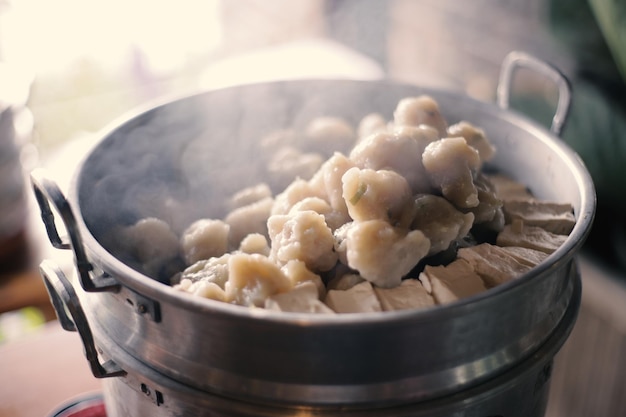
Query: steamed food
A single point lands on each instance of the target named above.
(409, 218)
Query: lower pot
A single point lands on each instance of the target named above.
(139, 390)
(519, 392)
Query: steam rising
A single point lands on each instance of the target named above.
(184, 160)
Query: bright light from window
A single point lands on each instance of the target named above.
(48, 36)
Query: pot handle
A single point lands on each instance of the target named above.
(64, 299)
(518, 59)
(47, 191)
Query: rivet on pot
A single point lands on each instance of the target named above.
(144, 306)
(156, 396)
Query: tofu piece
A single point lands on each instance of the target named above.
(532, 237)
(358, 299)
(554, 217)
(526, 256)
(452, 282)
(345, 282)
(508, 189)
(411, 294)
(494, 265)
(303, 298)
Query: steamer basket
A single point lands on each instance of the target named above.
(374, 359)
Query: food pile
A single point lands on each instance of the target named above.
(407, 219)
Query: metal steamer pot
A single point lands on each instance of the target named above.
(521, 391)
(181, 158)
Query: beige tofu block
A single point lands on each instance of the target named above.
(530, 257)
(532, 237)
(358, 299)
(411, 294)
(344, 282)
(554, 217)
(494, 265)
(509, 189)
(303, 298)
(452, 282)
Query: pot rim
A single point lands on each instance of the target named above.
(149, 287)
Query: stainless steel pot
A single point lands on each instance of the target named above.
(262, 356)
(521, 391)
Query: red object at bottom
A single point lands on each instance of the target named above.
(87, 407)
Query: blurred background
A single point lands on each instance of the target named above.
(68, 68)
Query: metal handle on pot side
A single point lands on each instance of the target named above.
(64, 299)
(518, 59)
(46, 192)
